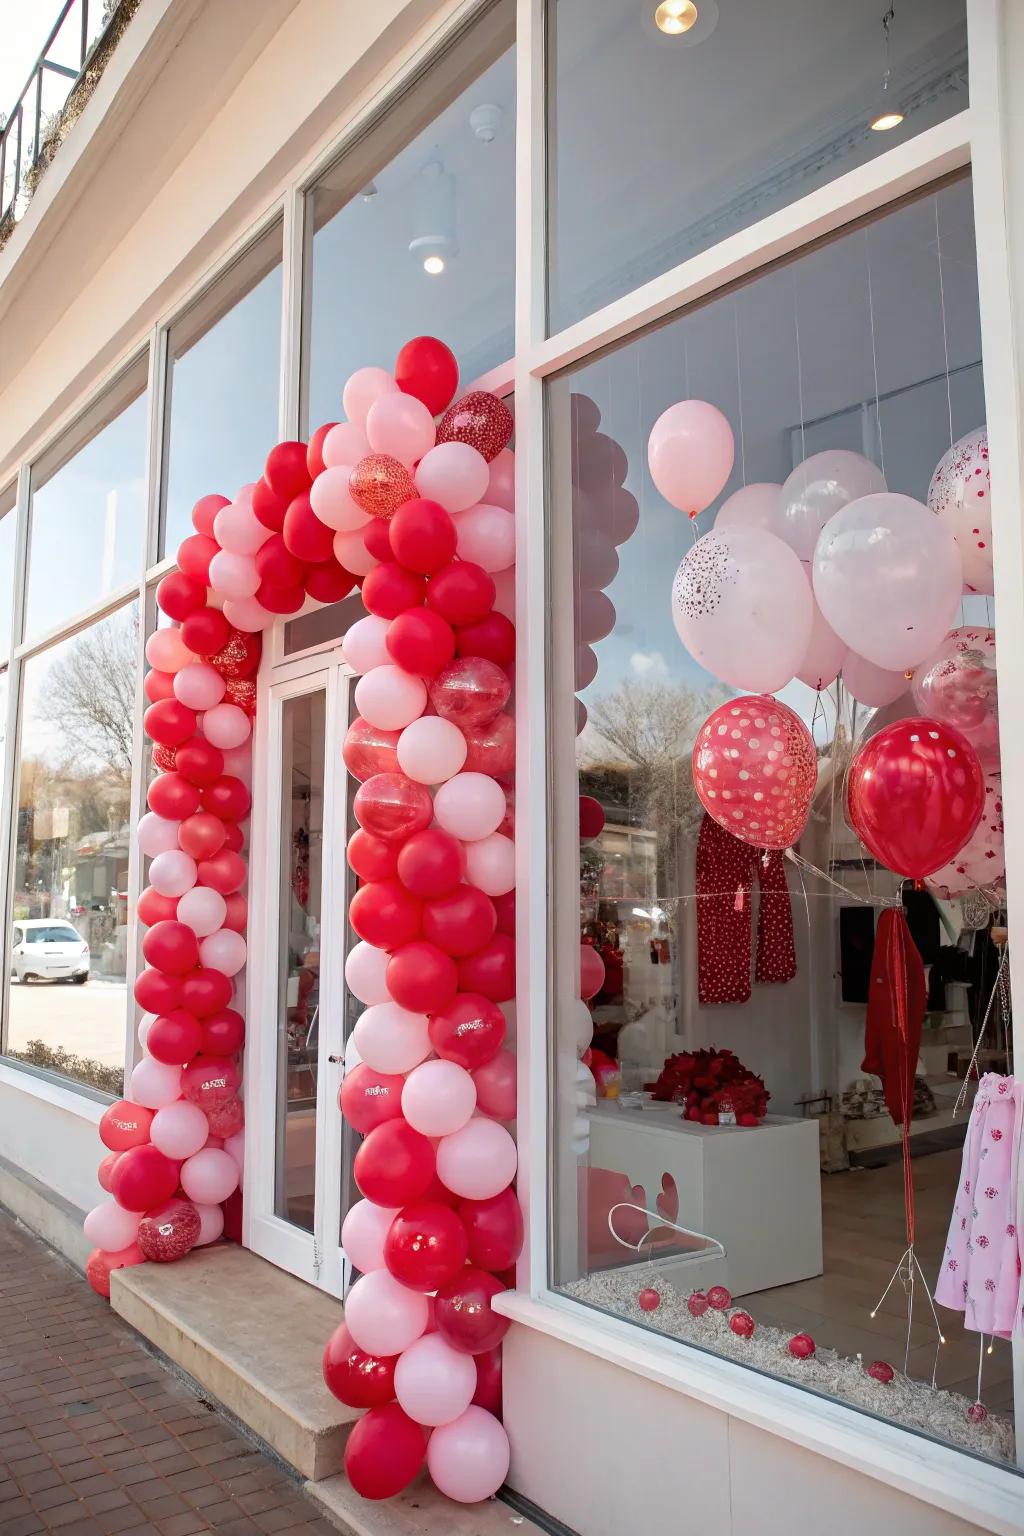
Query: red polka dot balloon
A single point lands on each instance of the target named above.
(754, 769)
(380, 484)
(170, 1232)
(479, 419)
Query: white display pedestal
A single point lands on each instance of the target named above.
(757, 1189)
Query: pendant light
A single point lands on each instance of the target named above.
(887, 113)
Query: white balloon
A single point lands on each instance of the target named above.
(872, 685)
(820, 487)
(758, 505)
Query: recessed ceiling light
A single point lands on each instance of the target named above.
(674, 17)
(434, 265)
(886, 120)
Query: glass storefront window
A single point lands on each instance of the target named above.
(67, 1003)
(661, 145)
(223, 386)
(723, 1129)
(8, 538)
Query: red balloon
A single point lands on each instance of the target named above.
(158, 685)
(201, 835)
(163, 758)
(178, 595)
(234, 839)
(375, 539)
(371, 858)
(394, 1165)
(194, 556)
(488, 1381)
(367, 750)
(204, 512)
(237, 915)
(226, 1119)
(494, 1228)
(328, 583)
(384, 1452)
(422, 536)
(469, 1031)
(210, 1081)
(755, 769)
(153, 907)
(239, 657)
(591, 818)
(385, 914)
(169, 1232)
(430, 863)
(171, 795)
(421, 977)
(491, 748)
(98, 1266)
(491, 969)
(227, 797)
(269, 508)
(156, 992)
(125, 1125)
(427, 369)
(305, 536)
(169, 722)
(380, 484)
(198, 762)
(469, 691)
(205, 992)
(392, 806)
(368, 1098)
(105, 1169)
(225, 871)
(463, 1311)
(144, 1177)
(276, 566)
(389, 589)
(505, 912)
(174, 1038)
(241, 691)
(419, 640)
(462, 592)
(479, 419)
(222, 1034)
(315, 450)
(425, 1246)
(354, 1377)
(286, 471)
(172, 947)
(460, 922)
(493, 638)
(915, 793)
(206, 632)
(280, 599)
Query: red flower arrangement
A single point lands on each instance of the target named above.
(705, 1083)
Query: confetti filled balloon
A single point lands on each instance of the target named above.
(479, 419)
(981, 862)
(957, 685)
(170, 1232)
(380, 484)
(959, 494)
(754, 769)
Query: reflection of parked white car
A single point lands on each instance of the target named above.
(45, 950)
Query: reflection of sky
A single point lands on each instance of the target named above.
(42, 736)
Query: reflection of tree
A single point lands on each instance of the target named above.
(90, 693)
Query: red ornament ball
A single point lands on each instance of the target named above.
(697, 1304)
(742, 1324)
(479, 419)
(977, 1413)
(170, 1232)
(801, 1346)
(649, 1300)
(881, 1370)
(427, 369)
(380, 484)
(719, 1298)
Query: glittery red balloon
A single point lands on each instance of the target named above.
(479, 419)
(367, 750)
(719, 1298)
(491, 748)
(380, 484)
(241, 691)
(697, 1304)
(392, 806)
(469, 691)
(164, 758)
(226, 1119)
(240, 657)
(169, 1232)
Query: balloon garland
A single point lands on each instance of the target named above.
(420, 514)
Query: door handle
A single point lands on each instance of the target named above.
(335, 1059)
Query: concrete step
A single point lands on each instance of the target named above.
(253, 1336)
(419, 1511)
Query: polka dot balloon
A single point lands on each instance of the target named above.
(981, 862)
(479, 419)
(959, 495)
(754, 769)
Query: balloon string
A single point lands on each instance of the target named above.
(973, 1063)
(945, 334)
(881, 902)
(739, 387)
(799, 371)
(874, 354)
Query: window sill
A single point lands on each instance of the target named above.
(41, 1086)
(963, 1485)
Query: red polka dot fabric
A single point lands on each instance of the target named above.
(726, 871)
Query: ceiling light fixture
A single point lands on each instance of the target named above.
(674, 17)
(887, 112)
(433, 238)
(434, 265)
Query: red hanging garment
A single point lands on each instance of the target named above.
(896, 1004)
(726, 870)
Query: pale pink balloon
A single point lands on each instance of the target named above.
(153, 1084)
(597, 560)
(179, 1130)
(391, 1039)
(211, 1224)
(872, 685)
(592, 970)
(477, 1162)
(238, 761)
(453, 474)
(959, 494)
(364, 646)
(586, 666)
(690, 452)
(172, 873)
(109, 1227)
(210, 1176)
(234, 576)
(470, 806)
(237, 529)
(389, 698)
(824, 655)
(365, 969)
(351, 552)
(981, 862)
(223, 951)
(468, 1459)
(383, 1316)
(501, 481)
(202, 909)
(431, 750)
(156, 834)
(817, 489)
(438, 1098)
(401, 426)
(167, 651)
(199, 685)
(505, 593)
(235, 1147)
(226, 725)
(487, 536)
(363, 1232)
(491, 864)
(247, 614)
(595, 616)
(753, 506)
(434, 1383)
(332, 503)
(145, 1025)
(364, 387)
(495, 1084)
(957, 685)
(344, 444)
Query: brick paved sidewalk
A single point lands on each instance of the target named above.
(97, 1436)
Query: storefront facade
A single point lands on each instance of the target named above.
(601, 218)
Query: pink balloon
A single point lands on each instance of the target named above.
(431, 750)
(364, 387)
(364, 644)
(350, 551)
(109, 1227)
(690, 452)
(468, 1459)
(156, 834)
(211, 1224)
(383, 1316)
(592, 971)
(223, 951)
(824, 655)
(153, 1084)
(595, 616)
(202, 909)
(754, 770)
(363, 1232)
(365, 969)
(167, 651)
(501, 481)
(753, 506)
(819, 488)
(389, 698)
(495, 1085)
(453, 474)
(179, 1130)
(199, 685)
(344, 444)
(247, 614)
(438, 1098)
(400, 425)
(957, 685)
(172, 873)
(391, 1039)
(238, 530)
(238, 762)
(209, 1176)
(959, 495)
(433, 1382)
(226, 726)
(234, 576)
(477, 1162)
(332, 502)
(505, 594)
(235, 1147)
(487, 536)
(491, 864)
(872, 685)
(470, 806)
